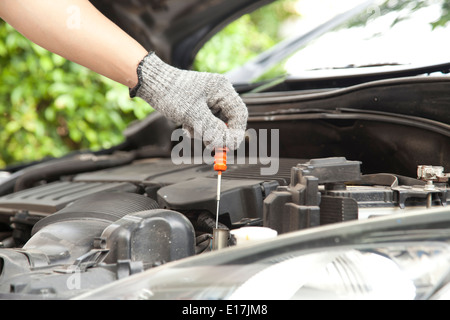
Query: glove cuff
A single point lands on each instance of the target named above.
(133, 91)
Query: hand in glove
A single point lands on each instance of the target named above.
(202, 102)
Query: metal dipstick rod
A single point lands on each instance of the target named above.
(219, 182)
(220, 236)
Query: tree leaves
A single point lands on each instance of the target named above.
(50, 106)
(244, 39)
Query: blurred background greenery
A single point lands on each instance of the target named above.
(50, 106)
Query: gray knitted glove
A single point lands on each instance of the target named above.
(202, 102)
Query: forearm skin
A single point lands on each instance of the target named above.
(77, 31)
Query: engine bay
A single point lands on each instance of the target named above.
(64, 237)
(77, 223)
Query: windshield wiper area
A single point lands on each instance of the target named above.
(256, 67)
(353, 66)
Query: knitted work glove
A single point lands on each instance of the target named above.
(202, 102)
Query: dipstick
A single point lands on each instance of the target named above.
(220, 165)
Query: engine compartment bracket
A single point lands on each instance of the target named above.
(89, 260)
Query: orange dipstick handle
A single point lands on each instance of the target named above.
(220, 159)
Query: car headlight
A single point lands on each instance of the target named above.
(397, 271)
(401, 263)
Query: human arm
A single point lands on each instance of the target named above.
(77, 31)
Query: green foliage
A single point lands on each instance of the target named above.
(406, 7)
(50, 106)
(445, 17)
(235, 44)
(245, 38)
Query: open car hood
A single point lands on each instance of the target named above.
(175, 29)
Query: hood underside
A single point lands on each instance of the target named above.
(175, 29)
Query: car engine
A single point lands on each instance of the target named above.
(80, 222)
(64, 236)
